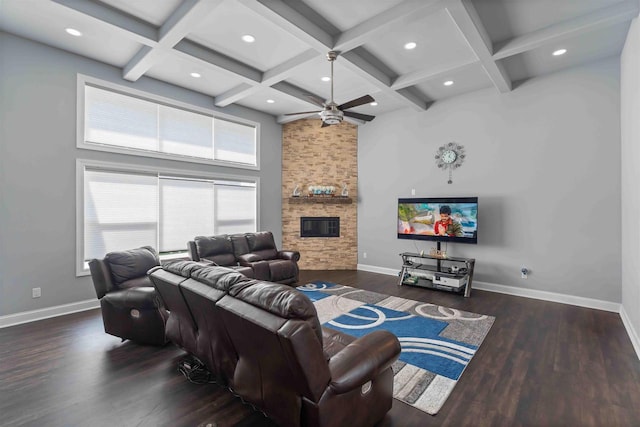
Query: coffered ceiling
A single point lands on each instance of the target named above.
(474, 44)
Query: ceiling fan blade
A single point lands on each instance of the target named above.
(316, 100)
(355, 102)
(324, 125)
(302, 112)
(365, 117)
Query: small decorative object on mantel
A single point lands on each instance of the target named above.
(296, 191)
(450, 156)
(322, 190)
(345, 192)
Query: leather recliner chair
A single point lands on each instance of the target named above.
(131, 308)
(264, 341)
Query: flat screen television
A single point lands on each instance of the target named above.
(439, 219)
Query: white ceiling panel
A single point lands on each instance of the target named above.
(152, 11)
(386, 103)
(46, 22)
(177, 70)
(439, 44)
(467, 79)
(580, 50)
(345, 15)
(505, 19)
(222, 31)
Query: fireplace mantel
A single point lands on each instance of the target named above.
(321, 199)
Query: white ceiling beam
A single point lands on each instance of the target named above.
(182, 21)
(212, 59)
(406, 11)
(270, 77)
(292, 21)
(132, 28)
(466, 18)
(419, 76)
(601, 18)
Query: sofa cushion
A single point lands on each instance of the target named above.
(181, 267)
(130, 264)
(281, 300)
(262, 244)
(221, 278)
(216, 248)
(240, 245)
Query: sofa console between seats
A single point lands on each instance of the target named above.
(253, 254)
(264, 341)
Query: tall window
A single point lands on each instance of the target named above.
(124, 209)
(121, 120)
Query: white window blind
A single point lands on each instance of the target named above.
(115, 119)
(234, 142)
(120, 211)
(186, 211)
(185, 133)
(117, 122)
(235, 208)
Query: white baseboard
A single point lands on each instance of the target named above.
(520, 292)
(46, 313)
(633, 334)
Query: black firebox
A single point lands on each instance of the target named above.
(314, 226)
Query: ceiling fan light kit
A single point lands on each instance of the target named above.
(332, 113)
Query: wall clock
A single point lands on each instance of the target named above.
(450, 156)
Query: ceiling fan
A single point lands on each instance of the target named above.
(332, 113)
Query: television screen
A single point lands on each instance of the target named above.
(444, 219)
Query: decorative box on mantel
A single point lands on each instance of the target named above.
(322, 199)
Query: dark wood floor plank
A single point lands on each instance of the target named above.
(542, 364)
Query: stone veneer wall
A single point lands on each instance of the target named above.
(312, 155)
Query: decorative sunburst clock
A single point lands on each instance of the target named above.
(450, 156)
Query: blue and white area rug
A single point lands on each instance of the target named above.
(437, 342)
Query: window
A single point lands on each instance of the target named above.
(122, 207)
(122, 120)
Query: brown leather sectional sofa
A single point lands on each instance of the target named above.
(253, 254)
(264, 341)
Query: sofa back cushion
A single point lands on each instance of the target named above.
(216, 248)
(262, 244)
(280, 300)
(240, 246)
(221, 278)
(131, 264)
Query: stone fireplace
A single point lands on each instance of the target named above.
(312, 155)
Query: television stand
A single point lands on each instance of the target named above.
(452, 274)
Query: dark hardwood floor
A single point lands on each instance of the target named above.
(542, 364)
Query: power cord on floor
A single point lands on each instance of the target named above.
(195, 371)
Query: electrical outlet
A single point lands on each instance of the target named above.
(364, 255)
(524, 272)
(36, 293)
(413, 191)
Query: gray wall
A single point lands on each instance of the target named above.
(630, 70)
(37, 169)
(544, 161)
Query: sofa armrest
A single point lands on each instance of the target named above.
(248, 259)
(101, 277)
(363, 360)
(290, 255)
(193, 250)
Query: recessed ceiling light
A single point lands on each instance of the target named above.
(373, 104)
(248, 38)
(196, 75)
(448, 83)
(559, 52)
(270, 101)
(326, 79)
(73, 32)
(410, 45)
